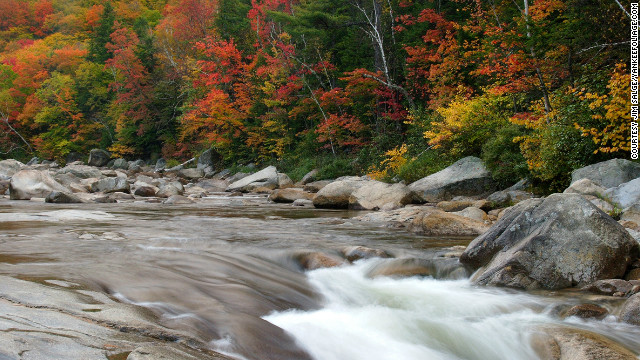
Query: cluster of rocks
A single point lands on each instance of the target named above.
(563, 240)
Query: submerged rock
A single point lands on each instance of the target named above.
(58, 197)
(27, 184)
(353, 253)
(574, 344)
(557, 242)
(438, 268)
(317, 260)
(466, 177)
(587, 311)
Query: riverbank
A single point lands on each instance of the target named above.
(124, 261)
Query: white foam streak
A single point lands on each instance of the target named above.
(413, 318)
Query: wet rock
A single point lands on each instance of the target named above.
(27, 184)
(146, 191)
(466, 177)
(439, 268)
(585, 187)
(191, 174)
(121, 164)
(609, 173)
(105, 199)
(303, 203)
(552, 243)
(81, 171)
(266, 175)
(336, 195)
(317, 260)
(110, 184)
(574, 344)
(9, 167)
(507, 198)
(435, 222)
(121, 196)
(178, 200)
(353, 253)
(630, 312)
(290, 195)
(587, 311)
(161, 164)
(316, 186)
(309, 177)
(453, 206)
(625, 194)
(374, 195)
(99, 157)
(611, 287)
(58, 197)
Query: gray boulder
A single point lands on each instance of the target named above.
(336, 195)
(146, 191)
(268, 174)
(609, 173)
(375, 195)
(507, 198)
(99, 157)
(34, 161)
(121, 164)
(466, 177)
(191, 173)
(625, 194)
(553, 243)
(58, 197)
(27, 184)
(161, 164)
(170, 189)
(81, 171)
(284, 181)
(209, 158)
(111, 184)
(9, 167)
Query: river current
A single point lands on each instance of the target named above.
(225, 271)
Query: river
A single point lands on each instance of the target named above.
(225, 272)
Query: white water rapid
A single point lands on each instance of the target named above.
(417, 318)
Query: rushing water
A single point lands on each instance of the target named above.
(225, 271)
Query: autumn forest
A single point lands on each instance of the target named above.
(392, 88)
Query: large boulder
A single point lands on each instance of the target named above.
(27, 184)
(9, 167)
(336, 195)
(111, 184)
(625, 194)
(99, 157)
(609, 173)
(208, 159)
(507, 198)
(585, 187)
(374, 195)
(290, 195)
(309, 177)
(161, 164)
(120, 164)
(191, 173)
(81, 171)
(266, 175)
(562, 343)
(466, 177)
(553, 243)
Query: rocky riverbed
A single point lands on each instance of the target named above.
(128, 261)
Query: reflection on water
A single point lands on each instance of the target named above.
(225, 271)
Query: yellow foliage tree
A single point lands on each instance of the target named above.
(613, 110)
(394, 161)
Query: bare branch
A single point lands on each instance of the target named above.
(623, 9)
(5, 118)
(602, 46)
(402, 90)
